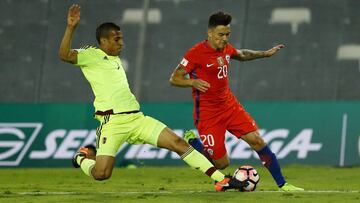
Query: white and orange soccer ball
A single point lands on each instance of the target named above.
(247, 173)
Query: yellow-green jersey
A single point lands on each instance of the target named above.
(107, 79)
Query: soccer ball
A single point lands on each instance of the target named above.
(247, 173)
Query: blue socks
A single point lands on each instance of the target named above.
(266, 156)
(270, 161)
(197, 144)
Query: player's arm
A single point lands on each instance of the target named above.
(178, 78)
(246, 54)
(65, 52)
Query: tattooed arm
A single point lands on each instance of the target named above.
(246, 54)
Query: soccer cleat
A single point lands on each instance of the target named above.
(287, 187)
(188, 135)
(89, 151)
(229, 183)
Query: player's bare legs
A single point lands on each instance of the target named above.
(254, 140)
(222, 163)
(104, 165)
(99, 167)
(169, 140)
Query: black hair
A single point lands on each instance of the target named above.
(219, 18)
(103, 30)
(91, 147)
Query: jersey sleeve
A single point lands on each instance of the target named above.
(85, 56)
(188, 62)
(232, 51)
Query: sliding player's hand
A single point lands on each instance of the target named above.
(200, 85)
(73, 17)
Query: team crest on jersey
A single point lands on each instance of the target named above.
(227, 57)
(210, 151)
(220, 61)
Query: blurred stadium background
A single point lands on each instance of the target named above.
(306, 99)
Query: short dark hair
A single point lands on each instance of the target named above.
(103, 30)
(219, 18)
(91, 147)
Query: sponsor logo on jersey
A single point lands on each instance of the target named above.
(209, 65)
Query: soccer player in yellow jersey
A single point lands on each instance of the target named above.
(118, 111)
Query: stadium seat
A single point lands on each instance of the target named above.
(293, 16)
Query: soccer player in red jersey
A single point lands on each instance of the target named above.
(216, 109)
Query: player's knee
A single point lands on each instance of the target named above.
(222, 163)
(256, 141)
(259, 142)
(101, 175)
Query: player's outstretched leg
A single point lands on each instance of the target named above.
(190, 137)
(269, 160)
(169, 140)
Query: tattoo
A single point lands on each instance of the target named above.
(246, 54)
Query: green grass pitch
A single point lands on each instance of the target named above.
(174, 184)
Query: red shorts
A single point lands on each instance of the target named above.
(212, 131)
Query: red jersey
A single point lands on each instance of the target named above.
(204, 62)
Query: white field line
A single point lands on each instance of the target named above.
(176, 192)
